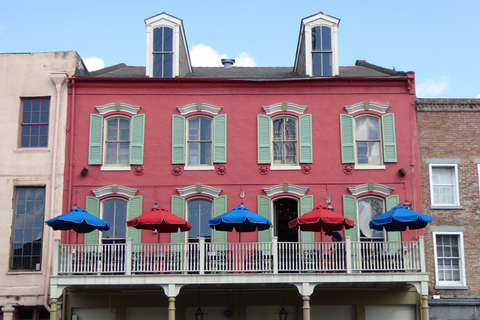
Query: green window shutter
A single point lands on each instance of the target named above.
(391, 202)
(306, 205)
(178, 139)
(350, 211)
(264, 141)
(95, 140)
(347, 138)
(92, 205)
(178, 209)
(220, 139)
(264, 210)
(134, 210)
(219, 208)
(137, 139)
(389, 140)
(305, 137)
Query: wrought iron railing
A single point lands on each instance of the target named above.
(269, 257)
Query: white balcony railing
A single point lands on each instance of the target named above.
(272, 257)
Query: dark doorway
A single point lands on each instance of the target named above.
(285, 210)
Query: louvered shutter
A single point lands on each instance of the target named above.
(137, 139)
(178, 139)
(92, 206)
(134, 210)
(95, 140)
(305, 137)
(264, 141)
(389, 140)
(391, 202)
(347, 138)
(220, 139)
(306, 205)
(350, 211)
(264, 210)
(219, 208)
(178, 209)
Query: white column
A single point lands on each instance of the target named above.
(8, 313)
(306, 307)
(171, 308)
(53, 309)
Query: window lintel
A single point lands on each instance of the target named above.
(117, 107)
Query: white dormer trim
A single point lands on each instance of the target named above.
(284, 106)
(370, 187)
(116, 107)
(165, 20)
(367, 106)
(307, 24)
(199, 107)
(285, 188)
(199, 189)
(114, 189)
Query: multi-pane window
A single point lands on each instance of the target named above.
(284, 140)
(163, 52)
(444, 187)
(449, 258)
(114, 211)
(368, 209)
(322, 51)
(117, 141)
(199, 141)
(199, 212)
(28, 229)
(367, 140)
(34, 123)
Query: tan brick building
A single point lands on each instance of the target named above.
(449, 143)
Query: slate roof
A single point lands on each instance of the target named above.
(362, 69)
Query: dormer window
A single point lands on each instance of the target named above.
(321, 51)
(163, 52)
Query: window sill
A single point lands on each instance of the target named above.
(369, 167)
(115, 168)
(274, 167)
(192, 168)
(453, 287)
(452, 207)
(22, 272)
(28, 150)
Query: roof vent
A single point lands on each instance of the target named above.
(228, 63)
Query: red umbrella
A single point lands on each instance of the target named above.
(319, 219)
(161, 220)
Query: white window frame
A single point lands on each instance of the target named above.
(187, 216)
(284, 166)
(450, 284)
(102, 202)
(189, 166)
(114, 167)
(367, 166)
(456, 193)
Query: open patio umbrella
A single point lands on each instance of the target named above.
(161, 220)
(399, 218)
(320, 219)
(241, 219)
(78, 220)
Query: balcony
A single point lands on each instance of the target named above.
(323, 263)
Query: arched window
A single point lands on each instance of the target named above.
(114, 211)
(199, 212)
(367, 140)
(117, 141)
(285, 140)
(368, 209)
(199, 141)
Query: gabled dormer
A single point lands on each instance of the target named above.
(317, 50)
(167, 50)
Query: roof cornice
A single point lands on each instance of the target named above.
(448, 105)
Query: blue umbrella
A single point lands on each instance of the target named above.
(399, 218)
(78, 220)
(241, 219)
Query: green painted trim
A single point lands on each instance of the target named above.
(264, 205)
(220, 139)
(92, 206)
(134, 210)
(264, 142)
(178, 139)
(95, 140)
(137, 139)
(178, 209)
(220, 207)
(347, 138)
(305, 139)
(389, 140)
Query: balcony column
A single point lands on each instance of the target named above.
(8, 313)
(306, 307)
(171, 308)
(53, 309)
(425, 308)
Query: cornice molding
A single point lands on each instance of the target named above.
(199, 107)
(284, 107)
(114, 189)
(448, 105)
(116, 107)
(285, 188)
(370, 187)
(199, 189)
(366, 106)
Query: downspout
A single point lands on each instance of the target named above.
(59, 79)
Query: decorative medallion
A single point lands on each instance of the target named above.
(177, 170)
(221, 169)
(306, 168)
(348, 168)
(138, 170)
(263, 169)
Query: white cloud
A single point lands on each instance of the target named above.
(430, 88)
(93, 63)
(478, 97)
(205, 56)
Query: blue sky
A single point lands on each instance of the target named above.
(438, 40)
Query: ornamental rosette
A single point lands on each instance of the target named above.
(306, 168)
(221, 169)
(138, 170)
(263, 169)
(348, 168)
(177, 170)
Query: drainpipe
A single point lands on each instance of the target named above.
(59, 79)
